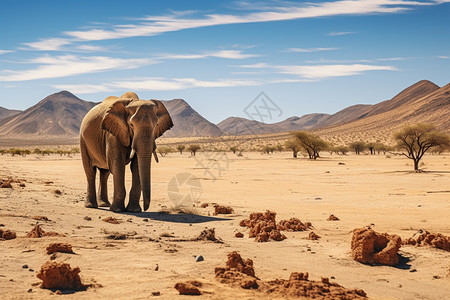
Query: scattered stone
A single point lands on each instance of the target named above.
(57, 192)
(313, 236)
(30, 291)
(239, 235)
(5, 184)
(88, 218)
(25, 267)
(204, 205)
(111, 220)
(332, 218)
(156, 293)
(425, 238)
(60, 276)
(370, 247)
(199, 258)
(157, 267)
(41, 218)
(7, 234)
(38, 232)
(263, 227)
(145, 220)
(341, 164)
(189, 287)
(225, 210)
(59, 247)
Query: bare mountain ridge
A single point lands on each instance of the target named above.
(5, 113)
(241, 126)
(60, 115)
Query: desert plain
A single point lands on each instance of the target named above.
(157, 248)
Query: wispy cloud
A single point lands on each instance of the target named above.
(155, 25)
(320, 72)
(229, 54)
(309, 50)
(68, 65)
(156, 84)
(5, 51)
(338, 33)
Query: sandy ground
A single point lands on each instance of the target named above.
(363, 190)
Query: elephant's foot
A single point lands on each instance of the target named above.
(91, 203)
(103, 203)
(117, 207)
(134, 207)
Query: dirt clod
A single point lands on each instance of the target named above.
(204, 205)
(239, 235)
(59, 247)
(208, 234)
(7, 234)
(189, 287)
(425, 238)
(332, 218)
(263, 227)
(111, 220)
(313, 236)
(38, 232)
(60, 276)
(293, 224)
(370, 247)
(225, 210)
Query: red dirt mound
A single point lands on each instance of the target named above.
(263, 227)
(313, 236)
(38, 232)
(370, 247)
(239, 235)
(189, 287)
(111, 220)
(298, 285)
(209, 234)
(426, 238)
(225, 210)
(7, 234)
(237, 271)
(59, 247)
(332, 218)
(6, 183)
(60, 276)
(293, 224)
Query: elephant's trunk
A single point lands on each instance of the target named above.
(144, 155)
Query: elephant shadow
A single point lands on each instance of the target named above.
(175, 218)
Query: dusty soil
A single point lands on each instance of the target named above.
(149, 252)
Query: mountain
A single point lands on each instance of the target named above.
(59, 114)
(388, 116)
(304, 122)
(5, 113)
(187, 122)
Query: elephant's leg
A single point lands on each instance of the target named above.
(118, 203)
(135, 192)
(103, 189)
(91, 199)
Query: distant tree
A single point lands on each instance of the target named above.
(311, 143)
(193, 149)
(268, 149)
(180, 148)
(279, 147)
(294, 146)
(2, 151)
(234, 149)
(164, 150)
(380, 147)
(415, 140)
(371, 146)
(341, 150)
(358, 147)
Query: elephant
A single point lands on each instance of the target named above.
(117, 131)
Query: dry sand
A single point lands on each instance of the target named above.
(155, 250)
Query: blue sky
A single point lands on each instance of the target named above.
(307, 56)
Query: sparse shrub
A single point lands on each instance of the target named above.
(164, 150)
(268, 149)
(358, 147)
(294, 146)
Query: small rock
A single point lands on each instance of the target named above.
(145, 220)
(88, 218)
(58, 292)
(157, 267)
(413, 270)
(199, 258)
(436, 277)
(25, 267)
(332, 277)
(31, 270)
(156, 294)
(30, 290)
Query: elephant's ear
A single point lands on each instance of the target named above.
(115, 122)
(164, 119)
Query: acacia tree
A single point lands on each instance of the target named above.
(193, 149)
(358, 146)
(310, 142)
(181, 148)
(415, 140)
(293, 145)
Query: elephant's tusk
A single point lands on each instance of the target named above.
(156, 156)
(132, 153)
